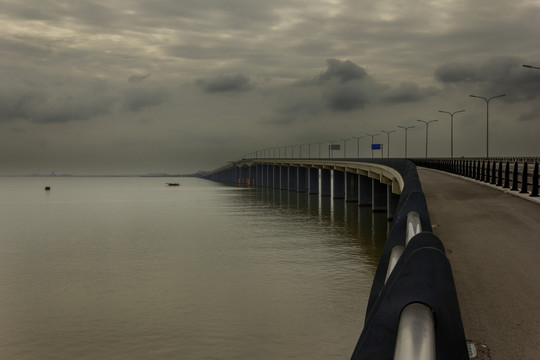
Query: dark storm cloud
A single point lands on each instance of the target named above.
(500, 75)
(456, 73)
(225, 83)
(346, 86)
(409, 92)
(138, 78)
(56, 104)
(139, 98)
(343, 71)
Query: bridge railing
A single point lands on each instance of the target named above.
(412, 311)
(516, 174)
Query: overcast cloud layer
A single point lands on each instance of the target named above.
(127, 87)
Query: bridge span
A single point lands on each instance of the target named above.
(491, 241)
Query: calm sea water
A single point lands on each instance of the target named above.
(128, 268)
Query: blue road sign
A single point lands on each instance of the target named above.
(375, 146)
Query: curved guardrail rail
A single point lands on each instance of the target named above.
(412, 311)
(417, 294)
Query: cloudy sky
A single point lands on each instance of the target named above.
(138, 86)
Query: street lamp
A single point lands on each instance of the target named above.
(320, 143)
(372, 136)
(487, 117)
(427, 126)
(406, 128)
(451, 129)
(357, 145)
(345, 148)
(388, 133)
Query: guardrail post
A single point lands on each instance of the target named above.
(487, 172)
(524, 179)
(493, 174)
(483, 173)
(515, 177)
(499, 177)
(534, 191)
(507, 175)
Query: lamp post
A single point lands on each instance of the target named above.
(451, 129)
(427, 127)
(487, 117)
(357, 145)
(320, 143)
(406, 128)
(388, 134)
(344, 148)
(372, 136)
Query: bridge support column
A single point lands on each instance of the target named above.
(265, 175)
(378, 196)
(391, 202)
(259, 175)
(351, 187)
(313, 181)
(252, 175)
(364, 191)
(339, 184)
(302, 179)
(284, 177)
(326, 182)
(293, 178)
(277, 176)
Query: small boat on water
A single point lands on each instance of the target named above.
(173, 184)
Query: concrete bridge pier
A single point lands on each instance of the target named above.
(391, 202)
(284, 177)
(259, 172)
(251, 170)
(301, 179)
(351, 187)
(364, 191)
(378, 196)
(293, 178)
(339, 184)
(313, 181)
(276, 176)
(326, 185)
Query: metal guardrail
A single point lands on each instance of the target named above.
(416, 334)
(416, 330)
(412, 311)
(517, 174)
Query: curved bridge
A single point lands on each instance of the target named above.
(412, 312)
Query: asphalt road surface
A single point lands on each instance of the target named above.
(493, 243)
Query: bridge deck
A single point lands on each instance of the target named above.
(493, 243)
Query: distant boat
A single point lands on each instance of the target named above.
(47, 188)
(173, 184)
